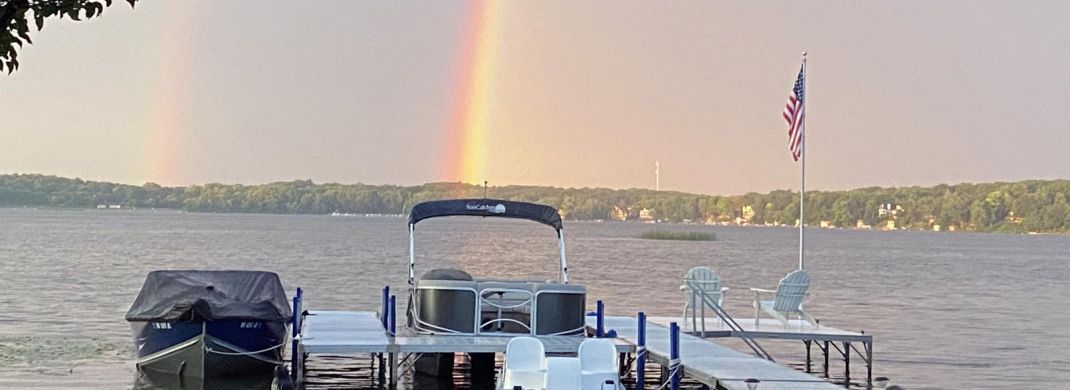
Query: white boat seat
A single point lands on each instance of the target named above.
(525, 364)
(598, 364)
(563, 373)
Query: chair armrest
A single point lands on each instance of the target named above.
(723, 289)
(762, 290)
(683, 287)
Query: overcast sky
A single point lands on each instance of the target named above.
(585, 94)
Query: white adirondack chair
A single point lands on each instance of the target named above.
(787, 299)
(598, 365)
(525, 364)
(708, 281)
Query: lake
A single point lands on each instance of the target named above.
(947, 310)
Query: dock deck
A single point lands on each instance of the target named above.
(347, 332)
(768, 328)
(710, 363)
(359, 333)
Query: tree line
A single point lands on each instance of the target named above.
(1023, 206)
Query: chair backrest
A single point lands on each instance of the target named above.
(598, 363)
(598, 355)
(705, 278)
(563, 373)
(525, 353)
(791, 291)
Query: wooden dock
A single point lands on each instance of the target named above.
(710, 363)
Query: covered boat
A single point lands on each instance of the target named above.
(209, 323)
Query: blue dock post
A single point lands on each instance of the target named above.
(393, 314)
(386, 308)
(295, 324)
(674, 356)
(600, 313)
(640, 352)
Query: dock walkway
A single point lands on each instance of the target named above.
(827, 339)
(713, 364)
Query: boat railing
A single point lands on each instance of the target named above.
(698, 319)
(497, 309)
(518, 301)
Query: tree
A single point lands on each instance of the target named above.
(15, 18)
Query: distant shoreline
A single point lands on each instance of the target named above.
(402, 216)
(1024, 207)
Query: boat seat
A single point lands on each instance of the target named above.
(598, 364)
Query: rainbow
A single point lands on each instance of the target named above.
(167, 129)
(473, 95)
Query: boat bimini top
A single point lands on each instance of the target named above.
(487, 208)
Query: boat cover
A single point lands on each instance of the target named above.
(486, 208)
(209, 296)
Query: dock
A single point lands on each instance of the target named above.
(709, 363)
(826, 338)
(349, 333)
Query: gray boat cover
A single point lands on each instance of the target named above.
(210, 296)
(486, 208)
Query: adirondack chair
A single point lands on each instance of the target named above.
(708, 281)
(787, 299)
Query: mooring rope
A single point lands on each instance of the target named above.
(674, 369)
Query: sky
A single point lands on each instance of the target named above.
(561, 93)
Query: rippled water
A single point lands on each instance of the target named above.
(947, 310)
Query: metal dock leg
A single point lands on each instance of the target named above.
(393, 371)
(869, 364)
(807, 342)
(826, 351)
(846, 364)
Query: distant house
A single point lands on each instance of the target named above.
(827, 224)
(748, 213)
(860, 224)
(620, 213)
(647, 215)
(889, 210)
(937, 227)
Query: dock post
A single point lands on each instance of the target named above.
(846, 364)
(393, 315)
(386, 308)
(295, 324)
(600, 320)
(640, 352)
(674, 356)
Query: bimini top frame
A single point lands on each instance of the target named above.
(487, 208)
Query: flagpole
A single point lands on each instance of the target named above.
(802, 167)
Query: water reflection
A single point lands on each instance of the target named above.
(154, 381)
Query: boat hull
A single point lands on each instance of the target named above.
(208, 349)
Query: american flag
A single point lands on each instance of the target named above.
(795, 114)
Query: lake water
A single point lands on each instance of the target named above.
(948, 310)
